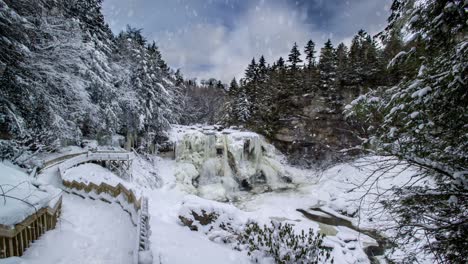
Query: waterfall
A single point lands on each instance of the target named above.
(217, 164)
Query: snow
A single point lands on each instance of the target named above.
(21, 195)
(176, 244)
(333, 191)
(422, 92)
(330, 193)
(170, 202)
(88, 232)
(93, 173)
(414, 114)
(212, 162)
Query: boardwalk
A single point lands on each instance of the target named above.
(88, 232)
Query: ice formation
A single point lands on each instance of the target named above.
(217, 163)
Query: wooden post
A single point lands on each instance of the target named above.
(28, 235)
(41, 225)
(36, 229)
(17, 248)
(3, 248)
(45, 222)
(10, 243)
(36, 235)
(22, 241)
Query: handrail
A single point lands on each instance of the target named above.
(106, 192)
(14, 240)
(104, 188)
(63, 158)
(95, 156)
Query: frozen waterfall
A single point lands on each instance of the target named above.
(219, 163)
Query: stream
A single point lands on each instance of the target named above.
(371, 251)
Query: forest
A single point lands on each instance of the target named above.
(401, 94)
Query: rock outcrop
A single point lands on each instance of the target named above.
(318, 133)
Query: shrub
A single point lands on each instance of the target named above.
(280, 242)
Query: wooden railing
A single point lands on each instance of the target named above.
(103, 192)
(144, 231)
(67, 157)
(97, 156)
(139, 212)
(14, 240)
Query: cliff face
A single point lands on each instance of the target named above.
(318, 133)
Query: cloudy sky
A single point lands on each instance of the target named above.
(218, 38)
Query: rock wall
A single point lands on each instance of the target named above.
(318, 133)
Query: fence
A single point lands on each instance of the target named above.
(123, 196)
(125, 158)
(15, 240)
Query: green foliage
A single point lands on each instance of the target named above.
(280, 242)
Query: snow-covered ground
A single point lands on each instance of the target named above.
(88, 232)
(167, 203)
(337, 191)
(329, 191)
(170, 241)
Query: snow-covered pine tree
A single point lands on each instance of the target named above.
(327, 67)
(342, 63)
(422, 121)
(65, 77)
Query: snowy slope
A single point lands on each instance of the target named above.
(332, 190)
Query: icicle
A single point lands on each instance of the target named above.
(225, 160)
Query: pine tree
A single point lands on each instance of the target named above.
(233, 88)
(280, 64)
(342, 63)
(262, 70)
(179, 78)
(393, 45)
(422, 122)
(219, 85)
(294, 57)
(327, 67)
(356, 61)
(310, 54)
(251, 72)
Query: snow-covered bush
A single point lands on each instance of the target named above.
(280, 242)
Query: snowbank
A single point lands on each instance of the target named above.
(21, 196)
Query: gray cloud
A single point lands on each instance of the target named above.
(194, 36)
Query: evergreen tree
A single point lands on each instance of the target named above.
(179, 78)
(342, 63)
(280, 64)
(392, 46)
(356, 61)
(251, 72)
(327, 67)
(422, 121)
(310, 54)
(294, 57)
(262, 69)
(233, 88)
